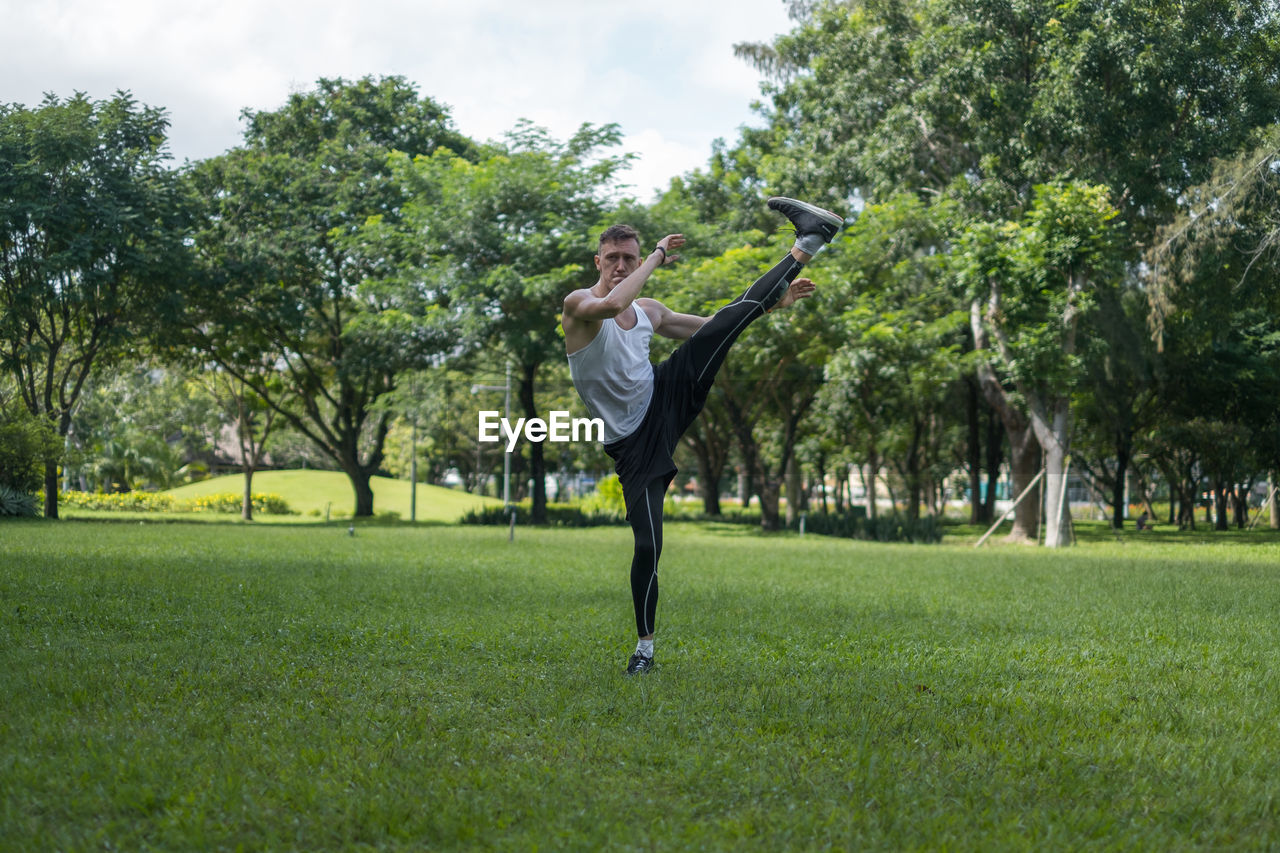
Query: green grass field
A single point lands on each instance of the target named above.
(310, 493)
(188, 686)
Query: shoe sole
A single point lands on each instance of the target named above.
(830, 217)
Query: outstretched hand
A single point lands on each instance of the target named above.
(801, 288)
(669, 242)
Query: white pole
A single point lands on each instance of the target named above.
(506, 458)
(1062, 498)
(413, 459)
(1265, 504)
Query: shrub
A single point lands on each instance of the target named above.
(606, 499)
(558, 515)
(157, 502)
(231, 503)
(27, 442)
(17, 503)
(886, 528)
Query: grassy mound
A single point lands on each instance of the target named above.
(310, 492)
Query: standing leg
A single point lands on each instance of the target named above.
(646, 526)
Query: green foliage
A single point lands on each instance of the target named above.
(312, 271)
(1038, 278)
(17, 504)
(267, 504)
(27, 443)
(510, 236)
(894, 527)
(138, 424)
(988, 98)
(558, 515)
(92, 251)
(607, 498)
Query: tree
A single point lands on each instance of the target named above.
(91, 246)
(509, 237)
(253, 419)
(1120, 393)
(892, 377)
(310, 262)
(1214, 303)
(981, 101)
(1030, 285)
(770, 381)
(138, 425)
(27, 443)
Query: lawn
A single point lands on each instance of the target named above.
(313, 493)
(189, 686)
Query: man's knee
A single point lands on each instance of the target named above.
(648, 548)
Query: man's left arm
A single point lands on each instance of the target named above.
(672, 324)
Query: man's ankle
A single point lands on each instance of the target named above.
(801, 256)
(810, 244)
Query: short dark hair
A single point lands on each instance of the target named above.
(618, 234)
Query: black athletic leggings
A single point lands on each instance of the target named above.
(681, 384)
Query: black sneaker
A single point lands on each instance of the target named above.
(639, 664)
(808, 218)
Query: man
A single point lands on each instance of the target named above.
(646, 408)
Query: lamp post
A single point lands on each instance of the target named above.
(413, 460)
(506, 454)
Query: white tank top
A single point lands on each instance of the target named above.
(614, 376)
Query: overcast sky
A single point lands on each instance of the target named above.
(664, 71)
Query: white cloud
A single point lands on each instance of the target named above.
(664, 72)
(658, 159)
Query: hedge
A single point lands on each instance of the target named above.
(265, 504)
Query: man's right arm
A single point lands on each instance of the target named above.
(584, 305)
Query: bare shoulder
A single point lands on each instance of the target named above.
(655, 310)
(578, 330)
(574, 300)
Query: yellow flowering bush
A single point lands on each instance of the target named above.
(266, 504)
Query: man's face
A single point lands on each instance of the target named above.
(616, 261)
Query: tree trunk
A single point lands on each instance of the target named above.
(1118, 491)
(795, 491)
(974, 450)
(364, 492)
(995, 460)
(710, 439)
(770, 491)
(821, 475)
(1024, 464)
(51, 490)
(871, 474)
(1057, 516)
(1275, 500)
(709, 485)
(1024, 453)
(913, 478)
(246, 505)
(1220, 505)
